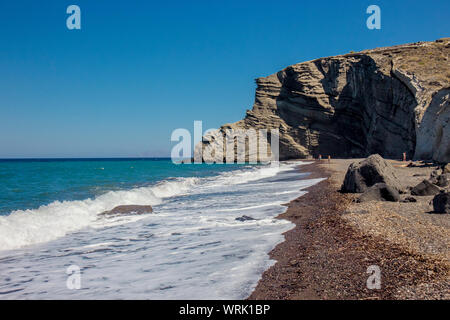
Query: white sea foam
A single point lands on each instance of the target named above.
(49, 222)
(248, 175)
(252, 207)
(193, 247)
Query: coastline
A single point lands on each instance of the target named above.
(326, 257)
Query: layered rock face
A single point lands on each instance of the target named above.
(386, 101)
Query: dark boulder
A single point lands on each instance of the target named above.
(425, 188)
(362, 175)
(441, 203)
(128, 209)
(443, 180)
(380, 192)
(434, 176)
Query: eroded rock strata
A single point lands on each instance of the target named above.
(386, 101)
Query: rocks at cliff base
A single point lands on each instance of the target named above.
(443, 180)
(425, 188)
(441, 203)
(433, 176)
(380, 192)
(440, 177)
(128, 210)
(446, 168)
(361, 176)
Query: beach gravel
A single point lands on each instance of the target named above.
(337, 240)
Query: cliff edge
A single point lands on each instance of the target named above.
(386, 101)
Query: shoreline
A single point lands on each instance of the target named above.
(326, 257)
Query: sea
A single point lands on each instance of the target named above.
(208, 237)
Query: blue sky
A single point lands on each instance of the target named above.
(137, 70)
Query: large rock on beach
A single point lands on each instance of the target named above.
(443, 180)
(441, 203)
(128, 209)
(380, 192)
(434, 175)
(362, 175)
(425, 188)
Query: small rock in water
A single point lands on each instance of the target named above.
(244, 218)
(128, 209)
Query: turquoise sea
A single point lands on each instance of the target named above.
(194, 245)
(30, 183)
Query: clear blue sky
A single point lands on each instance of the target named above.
(137, 70)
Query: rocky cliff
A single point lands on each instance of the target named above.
(386, 101)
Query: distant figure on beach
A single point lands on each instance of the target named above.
(329, 159)
(404, 156)
(320, 157)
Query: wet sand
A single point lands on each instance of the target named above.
(327, 254)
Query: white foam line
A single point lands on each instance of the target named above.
(252, 207)
(49, 222)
